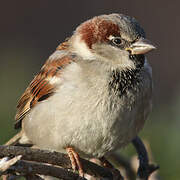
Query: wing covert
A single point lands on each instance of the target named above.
(42, 86)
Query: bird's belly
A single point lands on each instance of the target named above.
(122, 125)
(93, 124)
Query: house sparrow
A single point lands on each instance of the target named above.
(93, 95)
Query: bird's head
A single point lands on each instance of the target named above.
(114, 38)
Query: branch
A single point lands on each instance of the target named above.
(5, 163)
(145, 169)
(54, 158)
(33, 168)
(124, 163)
(58, 159)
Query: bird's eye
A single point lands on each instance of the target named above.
(117, 41)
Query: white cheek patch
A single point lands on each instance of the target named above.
(82, 49)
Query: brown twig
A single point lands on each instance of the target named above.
(33, 168)
(8, 163)
(124, 164)
(58, 159)
(54, 158)
(33, 177)
(145, 169)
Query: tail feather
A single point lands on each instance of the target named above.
(14, 140)
(19, 140)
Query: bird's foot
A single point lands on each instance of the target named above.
(75, 161)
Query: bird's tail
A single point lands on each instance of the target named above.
(14, 140)
(19, 140)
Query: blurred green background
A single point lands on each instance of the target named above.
(31, 30)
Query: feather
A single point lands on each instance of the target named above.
(42, 86)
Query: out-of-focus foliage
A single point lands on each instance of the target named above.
(31, 30)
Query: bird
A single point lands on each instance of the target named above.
(93, 94)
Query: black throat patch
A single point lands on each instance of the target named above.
(123, 81)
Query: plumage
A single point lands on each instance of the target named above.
(94, 92)
(42, 86)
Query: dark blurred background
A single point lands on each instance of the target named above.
(31, 30)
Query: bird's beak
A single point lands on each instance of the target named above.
(142, 46)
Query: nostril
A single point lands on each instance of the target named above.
(129, 50)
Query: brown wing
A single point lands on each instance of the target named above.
(41, 87)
